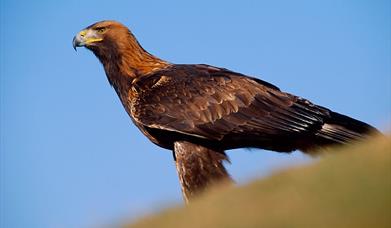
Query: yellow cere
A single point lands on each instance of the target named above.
(83, 33)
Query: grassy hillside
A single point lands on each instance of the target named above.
(348, 187)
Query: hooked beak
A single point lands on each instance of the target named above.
(85, 38)
(76, 42)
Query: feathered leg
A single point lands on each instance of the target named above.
(198, 167)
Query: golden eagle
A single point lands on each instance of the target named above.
(199, 111)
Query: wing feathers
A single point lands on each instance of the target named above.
(215, 104)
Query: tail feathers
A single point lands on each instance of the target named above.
(341, 129)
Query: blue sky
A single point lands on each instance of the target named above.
(70, 156)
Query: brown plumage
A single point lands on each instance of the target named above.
(199, 111)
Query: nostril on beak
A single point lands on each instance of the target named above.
(83, 33)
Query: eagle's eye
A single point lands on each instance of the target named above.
(101, 30)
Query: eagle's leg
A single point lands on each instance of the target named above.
(198, 167)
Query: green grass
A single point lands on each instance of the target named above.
(347, 187)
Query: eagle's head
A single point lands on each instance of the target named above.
(117, 49)
(102, 35)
